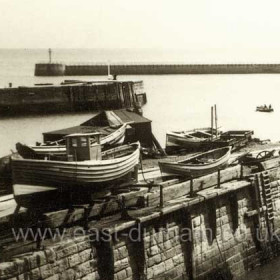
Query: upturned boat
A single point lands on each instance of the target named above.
(110, 136)
(198, 165)
(85, 169)
(111, 128)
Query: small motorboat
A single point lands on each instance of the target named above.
(199, 164)
(84, 169)
(266, 109)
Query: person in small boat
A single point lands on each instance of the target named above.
(265, 107)
(269, 107)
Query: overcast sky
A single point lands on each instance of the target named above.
(139, 24)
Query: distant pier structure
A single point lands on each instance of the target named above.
(50, 68)
(55, 69)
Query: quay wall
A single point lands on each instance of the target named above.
(71, 97)
(175, 245)
(154, 69)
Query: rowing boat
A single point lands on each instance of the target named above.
(265, 109)
(191, 139)
(199, 164)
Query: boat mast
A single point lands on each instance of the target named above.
(211, 123)
(216, 121)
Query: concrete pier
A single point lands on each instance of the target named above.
(153, 69)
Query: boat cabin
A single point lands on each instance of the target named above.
(79, 146)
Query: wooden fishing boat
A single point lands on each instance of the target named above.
(198, 165)
(264, 109)
(195, 139)
(110, 136)
(192, 139)
(85, 168)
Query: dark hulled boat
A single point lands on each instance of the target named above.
(264, 109)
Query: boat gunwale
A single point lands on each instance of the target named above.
(199, 166)
(103, 162)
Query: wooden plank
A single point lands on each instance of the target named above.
(271, 163)
(274, 174)
(158, 146)
(172, 189)
(170, 182)
(179, 203)
(181, 189)
(254, 212)
(66, 216)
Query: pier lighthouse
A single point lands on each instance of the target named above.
(49, 69)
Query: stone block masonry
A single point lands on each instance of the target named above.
(70, 259)
(215, 236)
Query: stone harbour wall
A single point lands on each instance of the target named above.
(164, 252)
(231, 246)
(71, 259)
(216, 237)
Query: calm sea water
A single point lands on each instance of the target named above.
(174, 101)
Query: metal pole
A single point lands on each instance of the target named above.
(191, 188)
(219, 179)
(161, 196)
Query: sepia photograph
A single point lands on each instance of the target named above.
(140, 140)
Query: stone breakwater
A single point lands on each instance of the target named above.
(219, 230)
(68, 97)
(46, 69)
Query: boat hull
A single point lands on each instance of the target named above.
(65, 175)
(264, 109)
(195, 170)
(37, 196)
(178, 139)
(50, 198)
